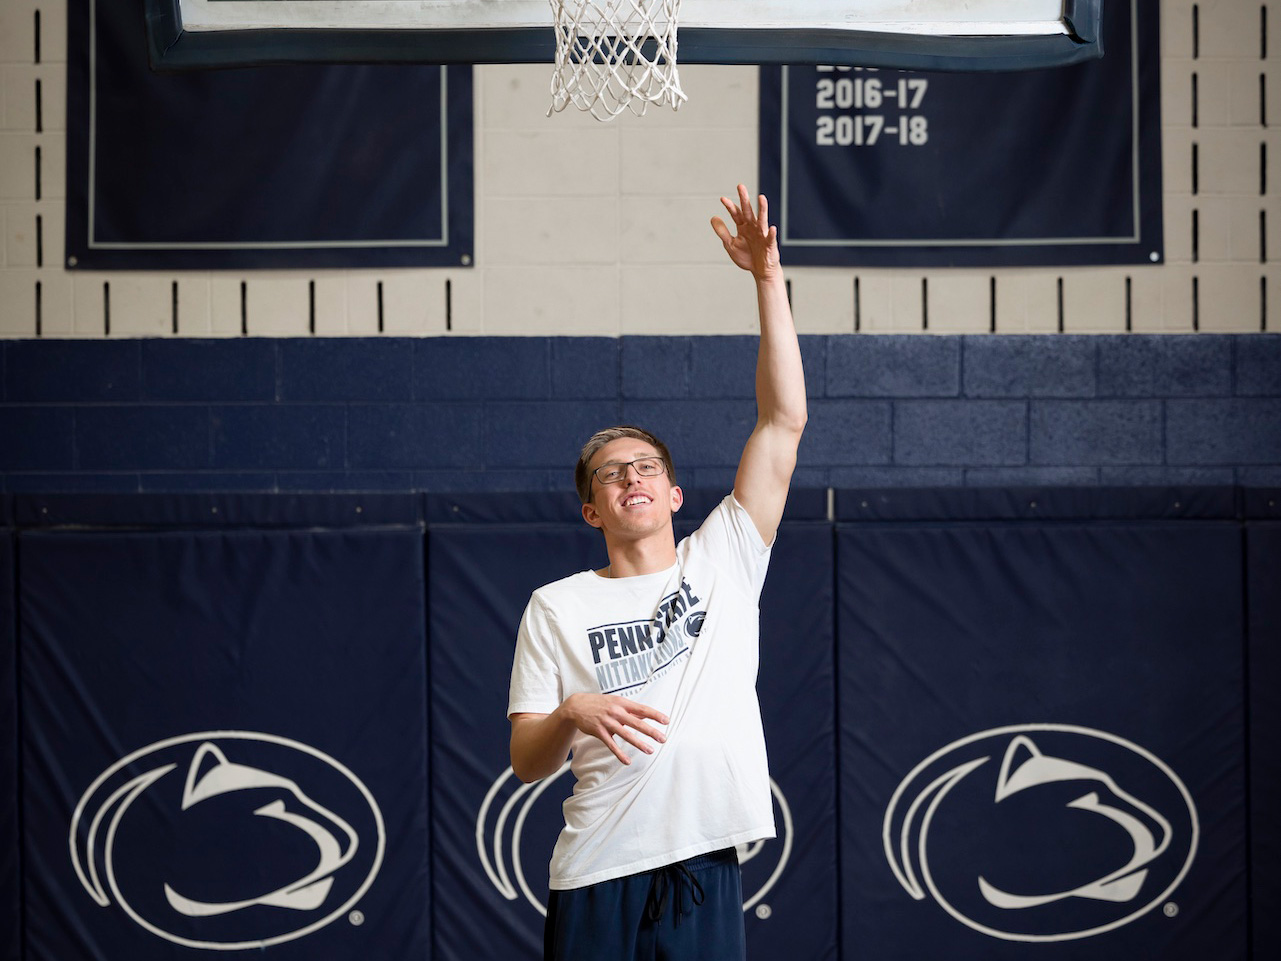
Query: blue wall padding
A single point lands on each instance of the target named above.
(798, 916)
(479, 578)
(1038, 504)
(10, 881)
(1016, 684)
(311, 641)
(218, 511)
(1263, 561)
(1126, 629)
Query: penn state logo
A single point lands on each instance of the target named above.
(228, 839)
(513, 829)
(1042, 832)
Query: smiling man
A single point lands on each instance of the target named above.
(645, 671)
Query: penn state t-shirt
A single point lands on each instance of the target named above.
(685, 641)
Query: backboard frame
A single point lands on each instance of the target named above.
(171, 47)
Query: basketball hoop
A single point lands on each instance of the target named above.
(615, 55)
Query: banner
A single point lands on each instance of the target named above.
(265, 167)
(493, 836)
(224, 744)
(1042, 740)
(925, 169)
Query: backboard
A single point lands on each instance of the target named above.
(912, 34)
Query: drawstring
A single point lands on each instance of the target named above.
(671, 876)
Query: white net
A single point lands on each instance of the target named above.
(615, 55)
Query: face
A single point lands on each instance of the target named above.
(635, 506)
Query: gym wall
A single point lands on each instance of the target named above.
(576, 221)
(204, 684)
(1147, 614)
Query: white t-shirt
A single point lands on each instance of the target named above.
(684, 640)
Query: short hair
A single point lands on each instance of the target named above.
(583, 476)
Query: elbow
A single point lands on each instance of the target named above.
(783, 421)
(793, 422)
(528, 773)
(521, 771)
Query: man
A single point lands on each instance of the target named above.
(646, 671)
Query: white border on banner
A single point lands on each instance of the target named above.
(784, 229)
(95, 244)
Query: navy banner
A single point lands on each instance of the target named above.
(290, 166)
(1042, 740)
(224, 744)
(910, 168)
(493, 836)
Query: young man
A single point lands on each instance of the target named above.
(646, 671)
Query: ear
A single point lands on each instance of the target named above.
(678, 498)
(590, 515)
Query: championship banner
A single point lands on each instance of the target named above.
(224, 744)
(265, 167)
(493, 836)
(1042, 740)
(891, 168)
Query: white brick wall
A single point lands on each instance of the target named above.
(621, 245)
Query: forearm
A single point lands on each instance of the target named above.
(540, 745)
(780, 378)
(541, 742)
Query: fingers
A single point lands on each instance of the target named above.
(606, 736)
(635, 721)
(626, 720)
(608, 740)
(742, 213)
(644, 710)
(735, 214)
(722, 231)
(635, 741)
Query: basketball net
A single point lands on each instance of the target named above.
(615, 55)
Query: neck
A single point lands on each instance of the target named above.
(645, 556)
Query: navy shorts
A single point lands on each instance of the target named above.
(689, 910)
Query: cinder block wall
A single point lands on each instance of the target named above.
(508, 413)
(596, 275)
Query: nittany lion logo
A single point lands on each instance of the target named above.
(1041, 832)
(227, 839)
(508, 817)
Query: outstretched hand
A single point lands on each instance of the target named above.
(754, 246)
(605, 716)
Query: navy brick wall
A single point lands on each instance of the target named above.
(508, 413)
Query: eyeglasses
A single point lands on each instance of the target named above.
(645, 467)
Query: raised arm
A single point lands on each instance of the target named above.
(769, 458)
